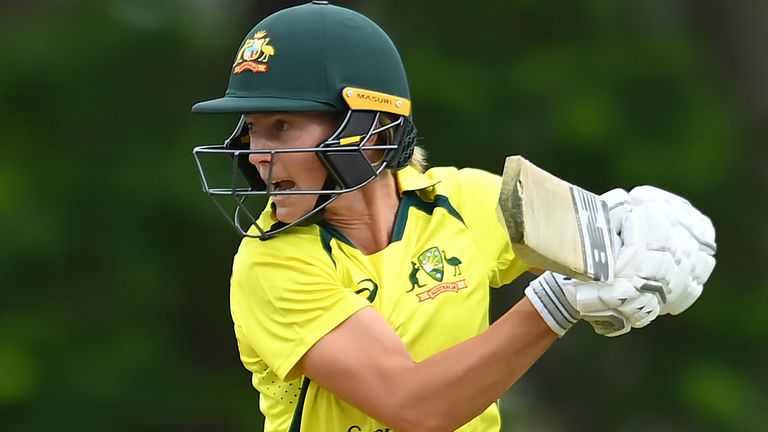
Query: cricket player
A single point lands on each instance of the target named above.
(360, 293)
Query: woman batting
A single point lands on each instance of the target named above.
(349, 305)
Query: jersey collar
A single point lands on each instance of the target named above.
(410, 179)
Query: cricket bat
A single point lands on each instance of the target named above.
(554, 225)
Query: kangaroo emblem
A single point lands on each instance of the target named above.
(412, 277)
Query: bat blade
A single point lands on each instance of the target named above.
(554, 225)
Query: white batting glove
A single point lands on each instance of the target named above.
(630, 300)
(669, 225)
(554, 295)
(665, 245)
(612, 309)
(665, 255)
(647, 271)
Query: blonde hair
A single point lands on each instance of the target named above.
(419, 159)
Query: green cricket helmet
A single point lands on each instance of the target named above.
(310, 58)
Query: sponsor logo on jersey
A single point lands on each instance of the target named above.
(254, 54)
(433, 261)
(368, 289)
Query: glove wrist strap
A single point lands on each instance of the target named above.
(548, 297)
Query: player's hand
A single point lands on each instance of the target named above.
(665, 246)
(669, 225)
(665, 254)
(611, 308)
(631, 299)
(662, 242)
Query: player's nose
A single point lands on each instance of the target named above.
(258, 159)
(263, 157)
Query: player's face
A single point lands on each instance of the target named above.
(290, 171)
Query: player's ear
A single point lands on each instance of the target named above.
(374, 139)
(387, 136)
(376, 156)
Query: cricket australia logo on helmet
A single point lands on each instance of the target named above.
(324, 58)
(254, 54)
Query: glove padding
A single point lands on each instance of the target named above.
(612, 309)
(633, 298)
(670, 226)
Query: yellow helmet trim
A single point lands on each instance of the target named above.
(349, 140)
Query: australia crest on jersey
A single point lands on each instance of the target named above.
(254, 54)
(434, 262)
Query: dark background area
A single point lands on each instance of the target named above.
(114, 266)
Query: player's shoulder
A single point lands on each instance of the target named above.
(290, 251)
(472, 192)
(464, 183)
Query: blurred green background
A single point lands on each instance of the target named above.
(114, 266)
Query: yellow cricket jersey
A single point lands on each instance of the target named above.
(430, 283)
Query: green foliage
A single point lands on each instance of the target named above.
(114, 267)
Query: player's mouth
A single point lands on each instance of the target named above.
(283, 186)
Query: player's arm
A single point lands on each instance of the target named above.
(364, 362)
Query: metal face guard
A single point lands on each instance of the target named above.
(241, 194)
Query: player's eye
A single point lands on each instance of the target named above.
(281, 125)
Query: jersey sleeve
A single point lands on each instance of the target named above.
(485, 220)
(283, 300)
